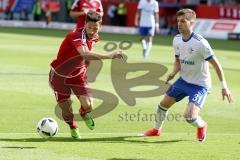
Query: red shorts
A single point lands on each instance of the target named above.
(63, 87)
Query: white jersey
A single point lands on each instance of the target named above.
(194, 54)
(148, 9)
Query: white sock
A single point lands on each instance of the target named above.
(196, 122)
(160, 116)
(149, 46)
(144, 45)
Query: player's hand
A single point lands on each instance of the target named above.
(118, 55)
(227, 93)
(170, 77)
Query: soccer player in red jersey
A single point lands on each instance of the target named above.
(80, 8)
(68, 70)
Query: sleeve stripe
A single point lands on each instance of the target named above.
(209, 58)
(75, 4)
(77, 39)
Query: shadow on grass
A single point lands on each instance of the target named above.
(18, 147)
(126, 159)
(120, 139)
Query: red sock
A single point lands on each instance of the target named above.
(83, 111)
(72, 124)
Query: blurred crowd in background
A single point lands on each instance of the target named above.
(116, 12)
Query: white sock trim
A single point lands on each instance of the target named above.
(196, 122)
(160, 116)
(144, 44)
(149, 46)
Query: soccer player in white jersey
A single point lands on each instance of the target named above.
(193, 55)
(147, 19)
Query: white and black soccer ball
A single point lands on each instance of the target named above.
(47, 127)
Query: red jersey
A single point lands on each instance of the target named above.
(69, 62)
(86, 5)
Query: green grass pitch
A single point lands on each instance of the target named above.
(26, 97)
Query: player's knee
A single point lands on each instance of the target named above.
(164, 104)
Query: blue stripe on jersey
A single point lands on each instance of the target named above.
(178, 35)
(195, 36)
(209, 58)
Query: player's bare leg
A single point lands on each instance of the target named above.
(160, 116)
(144, 45)
(191, 115)
(149, 40)
(86, 107)
(67, 114)
(66, 107)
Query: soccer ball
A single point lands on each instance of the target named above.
(47, 127)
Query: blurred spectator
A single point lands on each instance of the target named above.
(193, 2)
(48, 13)
(51, 10)
(8, 12)
(231, 2)
(172, 25)
(3, 5)
(24, 13)
(122, 13)
(111, 13)
(214, 2)
(37, 11)
(68, 5)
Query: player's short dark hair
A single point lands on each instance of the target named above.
(93, 17)
(190, 14)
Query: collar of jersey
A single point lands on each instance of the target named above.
(188, 38)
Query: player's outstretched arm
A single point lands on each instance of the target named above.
(175, 70)
(76, 13)
(218, 68)
(90, 55)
